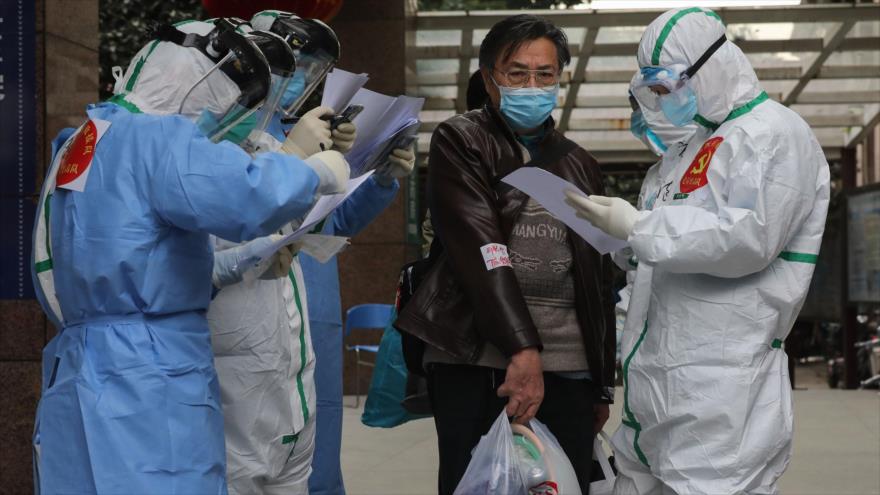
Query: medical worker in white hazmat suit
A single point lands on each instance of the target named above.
(258, 317)
(259, 323)
(724, 259)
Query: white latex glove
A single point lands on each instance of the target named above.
(332, 169)
(279, 264)
(344, 136)
(230, 265)
(310, 135)
(401, 163)
(615, 216)
(261, 142)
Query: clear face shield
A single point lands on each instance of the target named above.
(311, 69)
(282, 66)
(317, 50)
(224, 110)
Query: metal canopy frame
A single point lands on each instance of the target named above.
(853, 127)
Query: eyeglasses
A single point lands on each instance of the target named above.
(518, 78)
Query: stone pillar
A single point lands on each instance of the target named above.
(67, 80)
(373, 37)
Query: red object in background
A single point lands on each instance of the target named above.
(245, 9)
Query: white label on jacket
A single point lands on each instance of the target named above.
(495, 256)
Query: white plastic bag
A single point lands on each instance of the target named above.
(493, 469)
(495, 463)
(606, 486)
(563, 471)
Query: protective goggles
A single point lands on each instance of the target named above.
(317, 50)
(673, 77)
(236, 56)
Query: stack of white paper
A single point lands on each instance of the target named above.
(384, 121)
(322, 209)
(549, 190)
(339, 87)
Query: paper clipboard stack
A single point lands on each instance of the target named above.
(385, 123)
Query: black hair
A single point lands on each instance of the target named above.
(507, 35)
(476, 91)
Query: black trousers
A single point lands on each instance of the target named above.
(465, 403)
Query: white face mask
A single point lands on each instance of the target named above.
(664, 131)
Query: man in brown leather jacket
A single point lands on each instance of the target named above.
(517, 311)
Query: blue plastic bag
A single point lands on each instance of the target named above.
(388, 385)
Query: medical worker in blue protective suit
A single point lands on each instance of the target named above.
(123, 264)
(724, 252)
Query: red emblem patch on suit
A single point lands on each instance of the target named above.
(78, 156)
(696, 175)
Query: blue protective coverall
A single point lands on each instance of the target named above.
(325, 318)
(131, 402)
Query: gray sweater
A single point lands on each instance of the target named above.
(541, 257)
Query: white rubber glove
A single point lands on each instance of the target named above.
(344, 136)
(310, 135)
(279, 264)
(401, 163)
(230, 265)
(332, 169)
(614, 216)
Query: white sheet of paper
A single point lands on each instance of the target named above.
(382, 118)
(323, 207)
(340, 86)
(549, 190)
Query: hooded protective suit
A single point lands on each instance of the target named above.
(130, 400)
(263, 347)
(723, 254)
(265, 363)
(665, 137)
(262, 333)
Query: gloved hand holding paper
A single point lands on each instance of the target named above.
(323, 208)
(549, 190)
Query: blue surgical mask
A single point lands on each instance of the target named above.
(637, 124)
(639, 127)
(527, 108)
(295, 88)
(679, 106)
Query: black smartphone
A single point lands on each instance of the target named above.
(346, 116)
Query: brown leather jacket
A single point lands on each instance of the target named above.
(460, 304)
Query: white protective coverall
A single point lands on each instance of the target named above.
(265, 365)
(725, 250)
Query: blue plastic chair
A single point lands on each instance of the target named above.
(365, 316)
